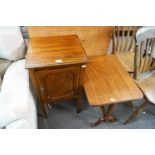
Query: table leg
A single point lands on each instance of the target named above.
(43, 108)
(106, 116)
(103, 110)
(131, 105)
(78, 104)
(101, 119)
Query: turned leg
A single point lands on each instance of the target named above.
(136, 112)
(43, 108)
(103, 110)
(40, 97)
(43, 112)
(106, 116)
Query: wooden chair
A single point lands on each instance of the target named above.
(123, 45)
(144, 72)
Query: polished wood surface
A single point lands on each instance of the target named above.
(56, 80)
(127, 60)
(55, 51)
(59, 83)
(106, 82)
(95, 39)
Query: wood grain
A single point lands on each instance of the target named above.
(45, 51)
(127, 60)
(95, 39)
(59, 83)
(55, 81)
(107, 82)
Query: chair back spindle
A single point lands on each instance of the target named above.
(145, 50)
(124, 38)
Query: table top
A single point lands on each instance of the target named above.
(54, 51)
(107, 82)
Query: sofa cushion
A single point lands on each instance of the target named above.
(3, 66)
(0, 82)
(12, 45)
(16, 100)
(14, 107)
(7, 114)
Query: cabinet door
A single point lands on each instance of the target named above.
(57, 84)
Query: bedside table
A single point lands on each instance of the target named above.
(55, 65)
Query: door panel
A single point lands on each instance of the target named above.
(58, 83)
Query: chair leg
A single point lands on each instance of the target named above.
(136, 112)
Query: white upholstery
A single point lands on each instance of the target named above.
(0, 82)
(7, 114)
(12, 46)
(30, 121)
(16, 99)
(3, 66)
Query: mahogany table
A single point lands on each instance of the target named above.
(106, 83)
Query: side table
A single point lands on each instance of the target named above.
(55, 65)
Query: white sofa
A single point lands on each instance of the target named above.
(17, 103)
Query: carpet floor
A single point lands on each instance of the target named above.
(63, 116)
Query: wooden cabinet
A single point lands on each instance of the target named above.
(55, 65)
(58, 83)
